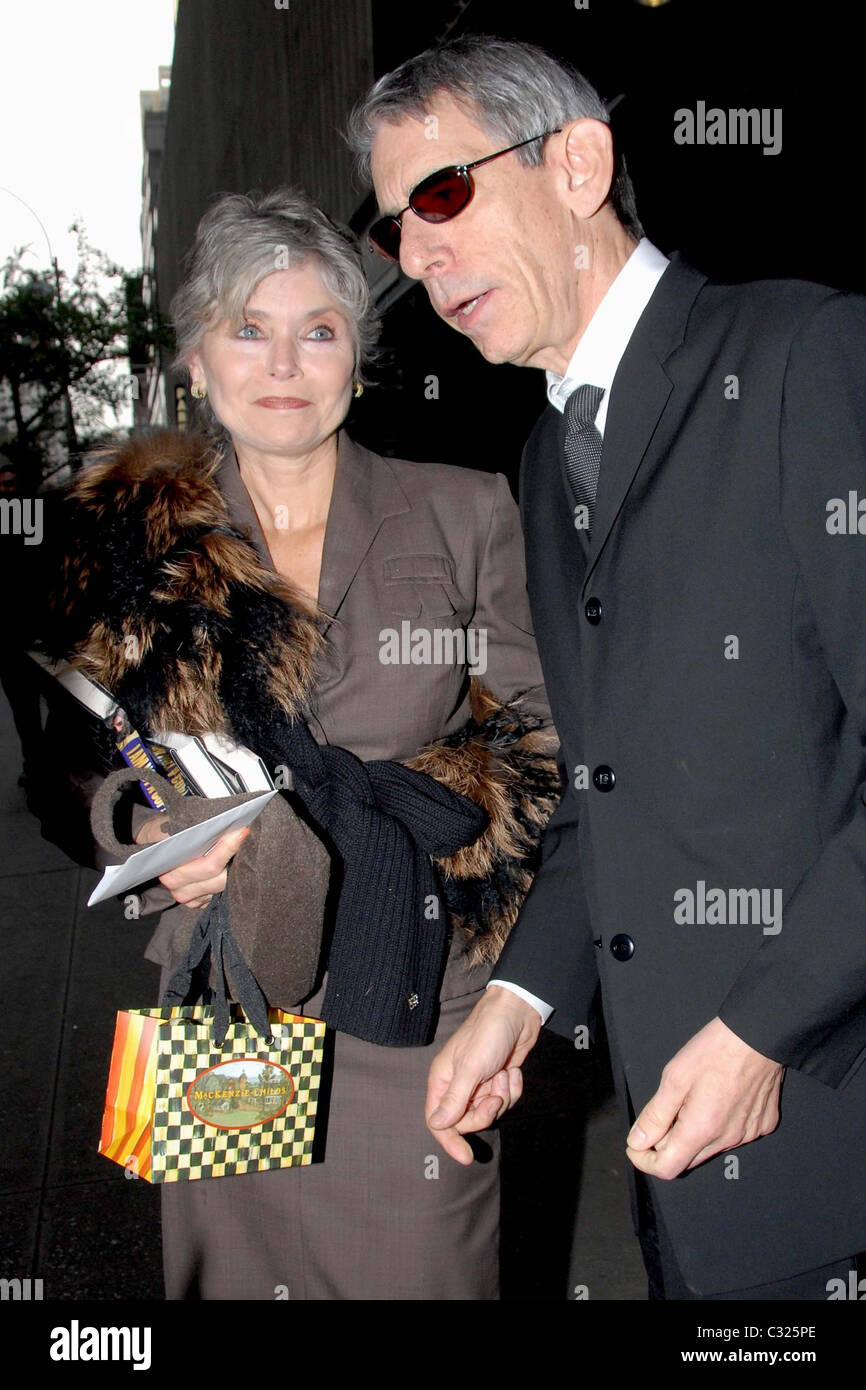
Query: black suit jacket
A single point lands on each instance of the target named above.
(725, 686)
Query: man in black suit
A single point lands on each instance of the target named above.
(697, 577)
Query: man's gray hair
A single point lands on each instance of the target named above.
(515, 90)
(244, 237)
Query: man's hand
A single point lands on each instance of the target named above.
(716, 1093)
(477, 1074)
(194, 884)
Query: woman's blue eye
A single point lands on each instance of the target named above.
(251, 326)
(322, 328)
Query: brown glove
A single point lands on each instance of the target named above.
(277, 881)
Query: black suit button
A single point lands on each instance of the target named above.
(593, 611)
(622, 947)
(604, 778)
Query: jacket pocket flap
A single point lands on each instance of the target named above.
(422, 569)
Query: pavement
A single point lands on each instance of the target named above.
(90, 1231)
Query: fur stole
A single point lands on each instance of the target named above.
(166, 603)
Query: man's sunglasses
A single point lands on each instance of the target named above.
(437, 198)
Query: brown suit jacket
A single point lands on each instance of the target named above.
(415, 555)
(427, 544)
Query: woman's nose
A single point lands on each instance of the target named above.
(283, 358)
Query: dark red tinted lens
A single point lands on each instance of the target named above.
(435, 199)
(384, 237)
(441, 196)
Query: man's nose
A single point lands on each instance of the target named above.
(424, 247)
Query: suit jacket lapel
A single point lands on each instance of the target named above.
(242, 513)
(365, 493)
(638, 398)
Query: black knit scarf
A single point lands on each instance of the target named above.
(390, 935)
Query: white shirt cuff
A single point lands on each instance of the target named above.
(544, 1009)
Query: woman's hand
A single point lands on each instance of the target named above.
(193, 884)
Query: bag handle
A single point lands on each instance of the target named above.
(212, 938)
(213, 943)
(106, 799)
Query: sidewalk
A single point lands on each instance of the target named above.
(76, 1221)
(68, 1215)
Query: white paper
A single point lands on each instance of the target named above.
(167, 854)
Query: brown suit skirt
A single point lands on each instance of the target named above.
(386, 1214)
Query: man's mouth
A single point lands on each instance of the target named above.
(463, 310)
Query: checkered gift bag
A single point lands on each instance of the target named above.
(180, 1106)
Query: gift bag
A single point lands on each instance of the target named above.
(179, 1106)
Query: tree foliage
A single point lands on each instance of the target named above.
(62, 339)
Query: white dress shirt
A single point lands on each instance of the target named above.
(594, 363)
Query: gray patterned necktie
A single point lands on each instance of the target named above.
(583, 446)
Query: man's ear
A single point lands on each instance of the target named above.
(587, 154)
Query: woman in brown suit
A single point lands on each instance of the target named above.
(412, 575)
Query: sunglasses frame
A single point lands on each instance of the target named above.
(449, 171)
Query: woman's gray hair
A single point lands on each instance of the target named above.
(244, 237)
(516, 90)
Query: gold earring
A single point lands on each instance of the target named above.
(359, 389)
(199, 390)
